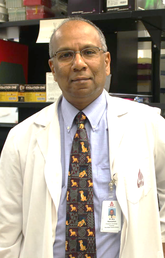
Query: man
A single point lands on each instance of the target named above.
(127, 151)
(111, 214)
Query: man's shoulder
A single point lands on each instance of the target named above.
(122, 105)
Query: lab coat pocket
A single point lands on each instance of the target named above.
(138, 181)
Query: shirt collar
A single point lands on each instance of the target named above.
(94, 112)
(68, 113)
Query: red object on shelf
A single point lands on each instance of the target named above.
(37, 2)
(13, 55)
(38, 12)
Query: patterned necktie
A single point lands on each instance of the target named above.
(80, 225)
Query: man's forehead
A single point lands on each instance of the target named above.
(75, 32)
(73, 24)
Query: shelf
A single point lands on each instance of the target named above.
(45, 104)
(159, 105)
(121, 19)
(155, 18)
(34, 105)
(101, 16)
(7, 125)
(19, 23)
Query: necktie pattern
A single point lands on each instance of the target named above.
(80, 225)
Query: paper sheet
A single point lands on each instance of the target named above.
(52, 89)
(46, 29)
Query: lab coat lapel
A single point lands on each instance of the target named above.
(50, 146)
(53, 168)
(116, 127)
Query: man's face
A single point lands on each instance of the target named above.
(80, 81)
(111, 212)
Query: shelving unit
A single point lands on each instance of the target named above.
(120, 29)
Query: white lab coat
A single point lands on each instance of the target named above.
(31, 179)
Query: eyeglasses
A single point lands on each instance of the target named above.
(67, 56)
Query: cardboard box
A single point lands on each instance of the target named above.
(17, 14)
(12, 92)
(37, 2)
(21, 93)
(35, 92)
(120, 5)
(9, 92)
(86, 6)
(38, 12)
(3, 13)
(14, 3)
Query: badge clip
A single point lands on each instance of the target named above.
(111, 186)
(113, 182)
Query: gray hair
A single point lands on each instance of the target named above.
(78, 18)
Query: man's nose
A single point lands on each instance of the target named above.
(78, 61)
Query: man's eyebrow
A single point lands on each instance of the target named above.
(63, 49)
(67, 48)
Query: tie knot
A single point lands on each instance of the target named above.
(80, 118)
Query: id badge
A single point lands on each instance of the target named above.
(111, 217)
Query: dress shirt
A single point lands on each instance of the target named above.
(107, 244)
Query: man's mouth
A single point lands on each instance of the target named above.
(80, 79)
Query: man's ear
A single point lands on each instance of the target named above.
(52, 68)
(107, 63)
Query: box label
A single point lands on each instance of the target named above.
(114, 3)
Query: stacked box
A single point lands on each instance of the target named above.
(37, 2)
(38, 12)
(2, 3)
(9, 92)
(38, 9)
(12, 92)
(3, 12)
(16, 10)
(21, 93)
(35, 92)
(86, 6)
(17, 14)
(144, 75)
(14, 3)
(120, 5)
